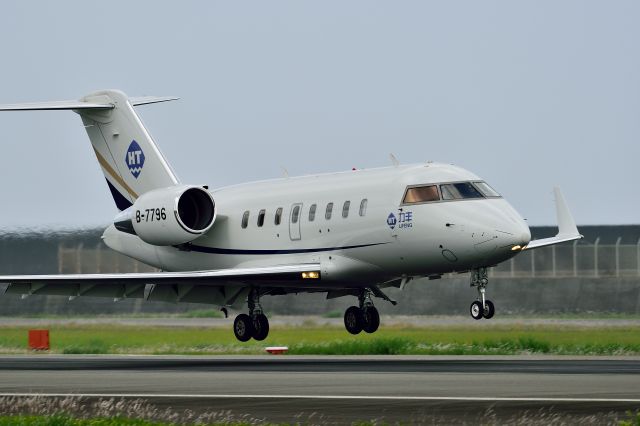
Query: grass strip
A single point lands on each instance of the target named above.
(536, 419)
(81, 411)
(332, 340)
(62, 420)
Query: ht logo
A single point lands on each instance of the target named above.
(134, 158)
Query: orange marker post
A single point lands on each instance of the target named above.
(39, 340)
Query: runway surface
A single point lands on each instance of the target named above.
(339, 389)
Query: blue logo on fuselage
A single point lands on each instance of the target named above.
(403, 220)
(391, 220)
(134, 159)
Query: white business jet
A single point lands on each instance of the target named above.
(352, 233)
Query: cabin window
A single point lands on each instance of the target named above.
(261, 217)
(278, 217)
(486, 190)
(327, 213)
(459, 191)
(363, 207)
(345, 209)
(245, 219)
(295, 215)
(312, 212)
(421, 194)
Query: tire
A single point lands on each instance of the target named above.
(476, 310)
(243, 327)
(371, 319)
(353, 320)
(489, 309)
(260, 327)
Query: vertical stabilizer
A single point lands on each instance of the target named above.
(130, 160)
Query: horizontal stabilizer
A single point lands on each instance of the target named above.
(54, 105)
(567, 229)
(145, 100)
(80, 105)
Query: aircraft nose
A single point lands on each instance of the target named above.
(517, 234)
(525, 233)
(497, 229)
(513, 230)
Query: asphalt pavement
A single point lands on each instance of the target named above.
(339, 389)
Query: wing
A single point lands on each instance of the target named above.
(221, 287)
(567, 229)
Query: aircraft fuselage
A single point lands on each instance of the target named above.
(377, 240)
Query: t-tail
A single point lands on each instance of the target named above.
(130, 159)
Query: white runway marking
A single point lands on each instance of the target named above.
(335, 397)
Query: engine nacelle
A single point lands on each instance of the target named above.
(169, 216)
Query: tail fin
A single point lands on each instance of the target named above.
(129, 158)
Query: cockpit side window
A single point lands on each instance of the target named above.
(421, 194)
(459, 191)
(486, 190)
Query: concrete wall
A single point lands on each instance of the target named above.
(422, 297)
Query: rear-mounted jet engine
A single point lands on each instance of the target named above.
(169, 216)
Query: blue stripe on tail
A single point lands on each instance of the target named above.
(121, 202)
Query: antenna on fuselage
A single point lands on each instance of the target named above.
(285, 172)
(394, 160)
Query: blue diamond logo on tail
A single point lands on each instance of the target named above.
(134, 159)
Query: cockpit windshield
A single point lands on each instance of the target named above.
(459, 191)
(418, 194)
(421, 194)
(486, 190)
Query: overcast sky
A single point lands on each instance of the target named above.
(527, 95)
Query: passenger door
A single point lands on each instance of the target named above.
(294, 221)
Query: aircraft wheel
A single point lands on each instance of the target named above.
(489, 309)
(353, 320)
(476, 310)
(260, 327)
(371, 319)
(243, 327)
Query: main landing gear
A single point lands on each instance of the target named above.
(481, 308)
(364, 317)
(255, 324)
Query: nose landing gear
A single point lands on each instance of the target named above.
(483, 307)
(255, 324)
(364, 317)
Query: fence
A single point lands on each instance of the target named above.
(566, 260)
(573, 278)
(80, 259)
(575, 260)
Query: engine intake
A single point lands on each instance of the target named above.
(196, 210)
(169, 216)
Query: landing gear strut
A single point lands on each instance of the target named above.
(364, 317)
(482, 307)
(255, 324)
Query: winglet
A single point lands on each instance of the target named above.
(567, 229)
(566, 224)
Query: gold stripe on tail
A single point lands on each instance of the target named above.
(114, 175)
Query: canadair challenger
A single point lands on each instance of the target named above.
(353, 233)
